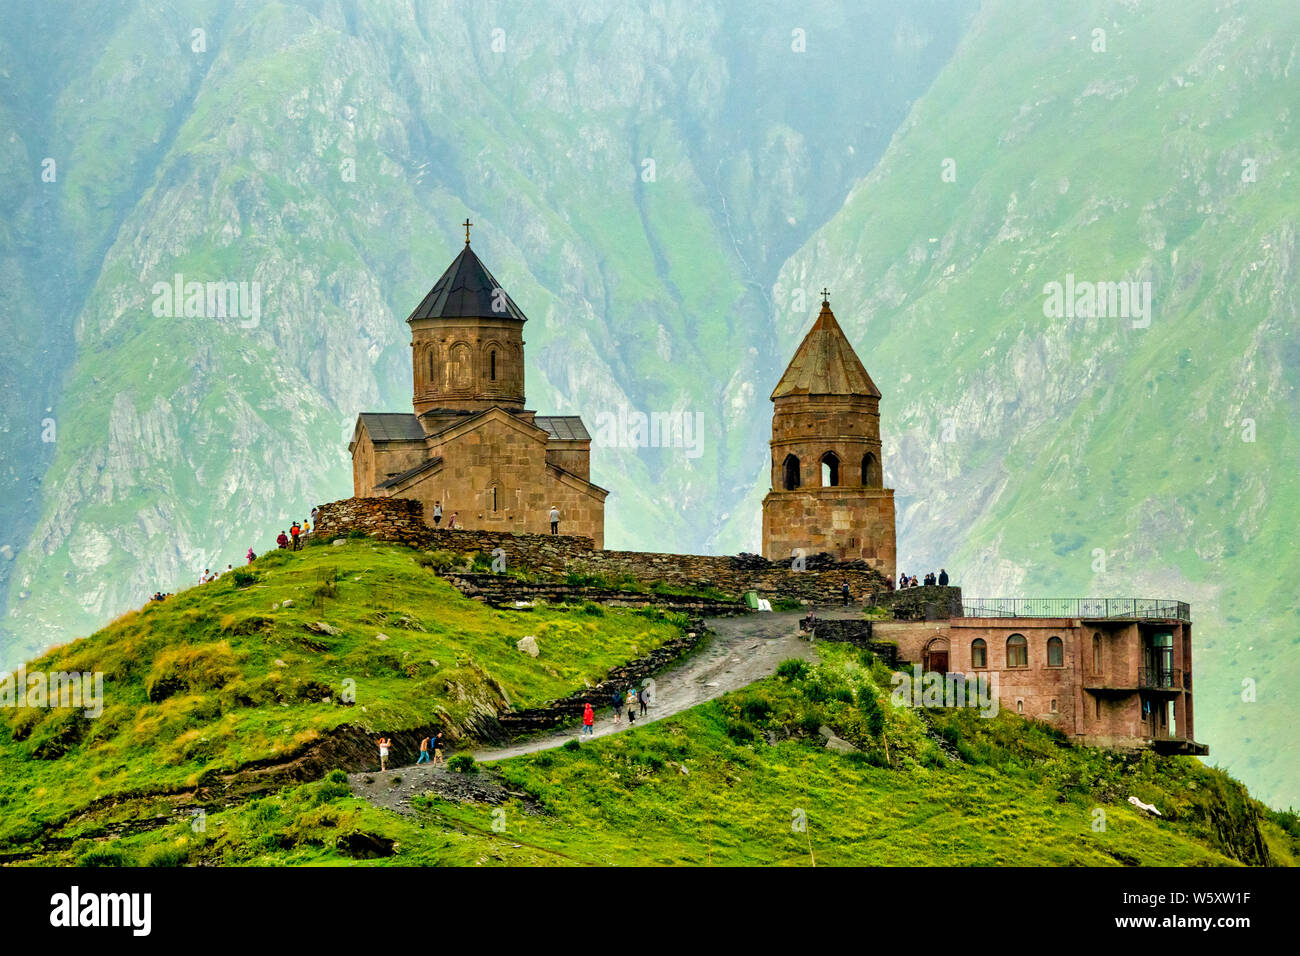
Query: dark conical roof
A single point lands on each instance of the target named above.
(467, 290)
(825, 364)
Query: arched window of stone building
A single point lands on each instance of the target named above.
(871, 477)
(1055, 652)
(1096, 653)
(830, 470)
(492, 365)
(495, 499)
(790, 468)
(433, 367)
(979, 653)
(1017, 651)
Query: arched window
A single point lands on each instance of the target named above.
(492, 365)
(1096, 653)
(790, 468)
(1055, 652)
(495, 497)
(979, 653)
(433, 368)
(830, 470)
(871, 477)
(1017, 651)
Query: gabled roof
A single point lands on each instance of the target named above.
(392, 426)
(563, 427)
(825, 364)
(467, 290)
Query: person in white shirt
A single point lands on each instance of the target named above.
(555, 520)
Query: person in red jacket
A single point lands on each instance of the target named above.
(588, 720)
(282, 540)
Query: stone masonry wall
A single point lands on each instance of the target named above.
(402, 520)
(925, 603)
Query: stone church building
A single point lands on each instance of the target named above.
(470, 443)
(828, 491)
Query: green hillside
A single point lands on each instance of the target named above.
(223, 677)
(329, 153)
(217, 698)
(1024, 447)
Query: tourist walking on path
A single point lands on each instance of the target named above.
(844, 591)
(435, 744)
(384, 744)
(588, 719)
(437, 513)
(294, 532)
(424, 751)
(618, 706)
(555, 520)
(641, 699)
(631, 706)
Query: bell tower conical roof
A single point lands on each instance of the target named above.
(467, 290)
(825, 363)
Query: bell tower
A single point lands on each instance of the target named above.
(467, 344)
(828, 489)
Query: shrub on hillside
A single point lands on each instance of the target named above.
(190, 668)
(438, 562)
(242, 578)
(792, 668)
(104, 856)
(462, 763)
(273, 558)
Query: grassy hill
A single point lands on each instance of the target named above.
(210, 694)
(224, 678)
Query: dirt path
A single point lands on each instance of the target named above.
(743, 649)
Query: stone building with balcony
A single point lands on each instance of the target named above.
(1109, 672)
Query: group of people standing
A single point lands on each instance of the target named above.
(293, 538)
(630, 698)
(941, 579)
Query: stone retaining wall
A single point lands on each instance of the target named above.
(928, 602)
(567, 709)
(501, 590)
(857, 633)
(402, 520)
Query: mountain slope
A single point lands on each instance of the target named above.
(1037, 453)
(636, 176)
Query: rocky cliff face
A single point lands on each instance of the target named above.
(663, 187)
(636, 176)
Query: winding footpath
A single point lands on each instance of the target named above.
(743, 649)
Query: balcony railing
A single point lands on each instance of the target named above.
(1149, 609)
(1160, 678)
